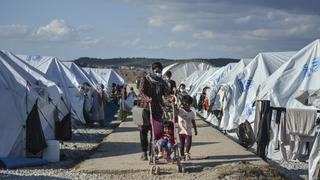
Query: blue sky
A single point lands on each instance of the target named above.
(157, 28)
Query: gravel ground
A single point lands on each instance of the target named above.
(233, 171)
(292, 170)
(86, 140)
(82, 145)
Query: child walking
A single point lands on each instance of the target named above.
(186, 121)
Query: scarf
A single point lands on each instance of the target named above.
(158, 81)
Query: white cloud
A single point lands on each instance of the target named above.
(133, 42)
(90, 41)
(156, 21)
(179, 28)
(203, 35)
(244, 20)
(14, 31)
(56, 30)
(181, 45)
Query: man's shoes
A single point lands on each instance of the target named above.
(144, 156)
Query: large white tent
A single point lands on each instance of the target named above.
(104, 76)
(57, 72)
(180, 71)
(295, 77)
(81, 75)
(219, 91)
(21, 87)
(242, 90)
(293, 85)
(210, 78)
(192, 78)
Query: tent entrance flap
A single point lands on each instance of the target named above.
(35, 140)
(63, 129)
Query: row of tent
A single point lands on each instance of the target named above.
(36, 93)
(286, 79)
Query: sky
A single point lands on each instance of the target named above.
(176, 29)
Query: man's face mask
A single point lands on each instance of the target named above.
(158, 74)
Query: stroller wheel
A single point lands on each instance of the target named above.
(155, 170)
(181, 169)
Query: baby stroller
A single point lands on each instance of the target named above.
(172, 157)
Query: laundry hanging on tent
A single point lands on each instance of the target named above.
(263, 136)
(314, 159)
(296, 132)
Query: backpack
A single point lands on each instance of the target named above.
(246, 135)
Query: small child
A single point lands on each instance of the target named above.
(186, 121)
(167, 139)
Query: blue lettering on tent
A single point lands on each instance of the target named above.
(220, 78)
(240, 86)
(249, 84)
(315, 65)
(306, 71)
(248, 110)
(34, 58)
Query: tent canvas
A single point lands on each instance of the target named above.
(180, 71)
(192, 78)
(243, 89)
(104, 76)
(211, 78)
(299, 74)
(81, 76)
(293, 85)
(57, 72)
(18, 98)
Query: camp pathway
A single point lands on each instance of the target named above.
(120, 151)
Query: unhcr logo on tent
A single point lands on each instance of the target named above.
(244, 86)
(248, 110)
(307, 72)
(34, 58)
(249, 84)
(240, 86)
(220, 78)
(315, 65)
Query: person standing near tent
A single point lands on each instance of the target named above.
(171, 83)
(152, 90)
(202, 99)
(87, 106)
(99, 99)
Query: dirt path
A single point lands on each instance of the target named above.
(212, 154)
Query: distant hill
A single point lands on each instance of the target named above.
(116, 63)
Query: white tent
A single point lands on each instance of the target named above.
(104, 76)
(57, 72)
(192, 78)
(81, 76)
(210, 78)
(180, 71)
(218, 93)
(236, 69)
(241, 92)
(293, 85)
(298, 75)
(21, 86)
